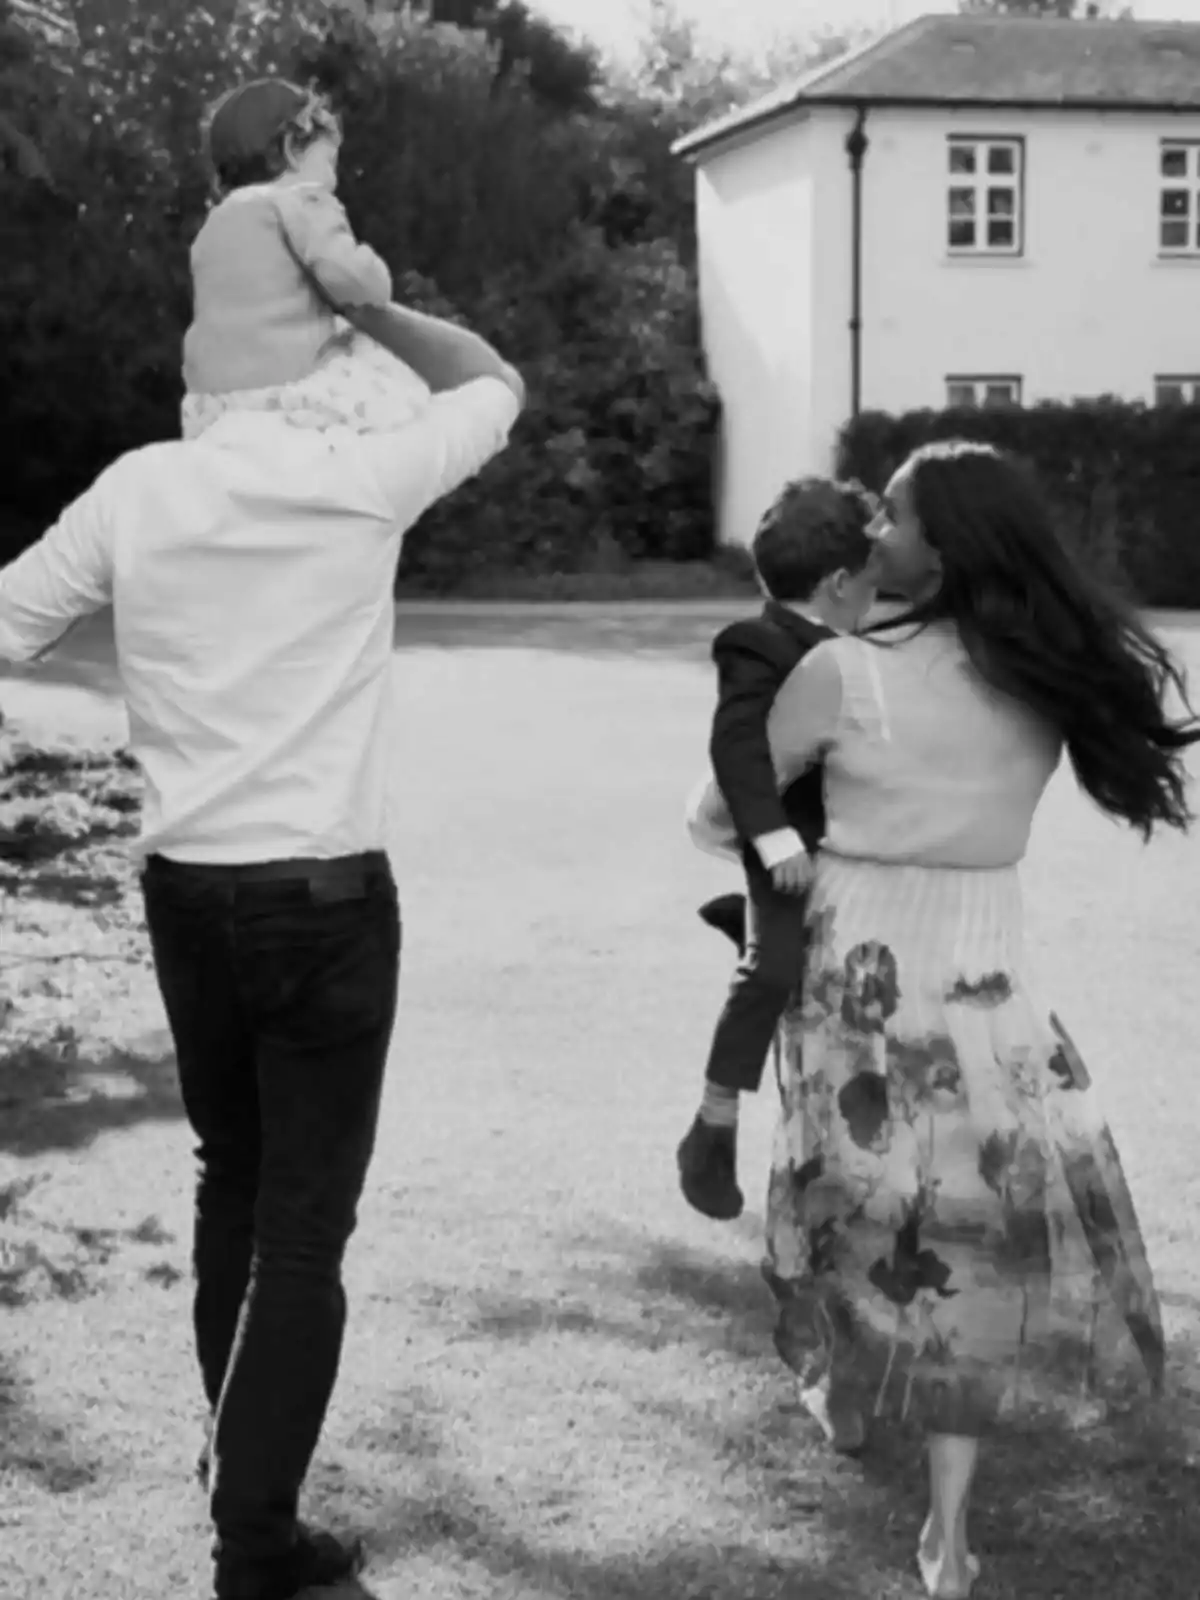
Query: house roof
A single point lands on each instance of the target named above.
(992, 61)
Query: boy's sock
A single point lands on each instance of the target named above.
(719, 1107)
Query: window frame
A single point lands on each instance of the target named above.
(979, 382)
(1187, 381)
(978, 182)
(1189, 185)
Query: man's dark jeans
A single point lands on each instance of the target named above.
(762, 985)
(280, 989)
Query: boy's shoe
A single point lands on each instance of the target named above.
(727, 914)
(315, 1561)
(707, 1161)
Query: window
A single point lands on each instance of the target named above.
(1177, 391)
(984, 195)
(962, 392)
(1179, 199)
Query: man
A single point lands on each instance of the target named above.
(250, 574)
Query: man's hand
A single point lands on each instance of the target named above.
(794, 875)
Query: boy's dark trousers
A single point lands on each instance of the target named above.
(279, 982)
(766, 976)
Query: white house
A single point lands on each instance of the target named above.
(968, 210)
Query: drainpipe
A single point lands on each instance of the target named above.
(856, 149)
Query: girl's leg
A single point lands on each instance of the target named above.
(947, 1565)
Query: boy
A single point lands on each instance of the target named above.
(812, 552)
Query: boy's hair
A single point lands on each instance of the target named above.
(815, 527)
(248, 131)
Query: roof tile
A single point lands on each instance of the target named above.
(1000, 61)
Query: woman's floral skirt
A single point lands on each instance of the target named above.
(358, 385)
(949, 1231)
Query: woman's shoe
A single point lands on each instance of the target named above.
(940, 1583)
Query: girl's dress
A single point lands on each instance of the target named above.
(272, 268)
(950, 1234)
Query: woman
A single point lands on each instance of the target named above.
(950, 1234)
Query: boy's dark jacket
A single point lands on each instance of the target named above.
(753, 658)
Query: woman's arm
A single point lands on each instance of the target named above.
(321, 239)
(803, 721)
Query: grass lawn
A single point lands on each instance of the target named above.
(558, 1382)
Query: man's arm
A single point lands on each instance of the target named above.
(455, 437)
(445, 355)
(66, 575)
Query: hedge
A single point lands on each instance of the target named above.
(1125, 478)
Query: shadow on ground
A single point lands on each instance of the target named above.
(1061, 1516)
(86, 890)
(52, 1100)
(444, 1518)
(35, 1448)
(64, 816)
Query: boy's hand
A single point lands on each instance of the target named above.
(794, 875)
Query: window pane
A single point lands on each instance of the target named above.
(1169, 394)
(962, 234)
(962, 158)
(999, 394)
(1174, 163)
(1002, 202)
(1174, 203)
(960, 394)
(1002, 158)
(1173, 236)
(1000, 234)
(962, 202)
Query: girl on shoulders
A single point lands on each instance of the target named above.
(277, 270)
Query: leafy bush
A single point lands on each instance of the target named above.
(1124, 477)
(497, 185)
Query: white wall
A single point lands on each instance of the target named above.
(755, 223)
(1087, 309)
(833, 283)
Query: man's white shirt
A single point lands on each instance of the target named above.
(251, 574)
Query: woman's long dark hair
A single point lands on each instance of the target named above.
(1039, 627)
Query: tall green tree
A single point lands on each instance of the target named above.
(562, 73)
(495, 195)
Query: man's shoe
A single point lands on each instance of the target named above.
(315, 1561)
(707, 1161)
(839, 1420)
